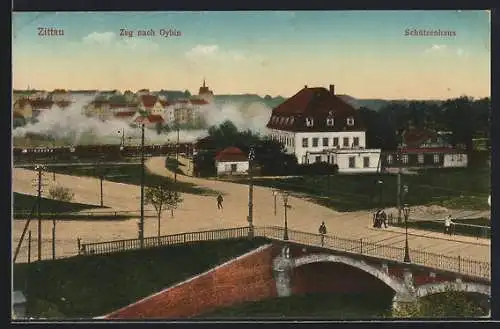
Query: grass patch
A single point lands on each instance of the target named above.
(26, 202)
(455, 188)
(88, 286)
(131, 174)
(325, 306)
(481, 232)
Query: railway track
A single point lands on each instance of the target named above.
(104, 152)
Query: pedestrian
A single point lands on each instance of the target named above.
(383, 218)
(219, 201)
(322, 231)
(447, 225)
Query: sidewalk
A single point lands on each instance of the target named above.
(436, 235)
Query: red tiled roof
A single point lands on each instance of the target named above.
(41, 104)
(415, 137)
(231, 154)
(63, 104)
(118, 105)
(152, 118)
(431, 150)
(318, 104)
(149, 100)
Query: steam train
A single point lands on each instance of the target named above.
(107, 152)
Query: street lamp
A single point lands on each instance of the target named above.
(39, 169)
(284, 195)
(122, 132)
(251, 157)
(380, 184)
(275, 195)
(406, 211)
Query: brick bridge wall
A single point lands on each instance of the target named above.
(246, 278)
(250, 277)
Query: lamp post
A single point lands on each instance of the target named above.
(380, 187)
(275, 195)
(251, 157)
(406, 211)
(141, 222)
(39, 169)
(284, 195)
(122, 132)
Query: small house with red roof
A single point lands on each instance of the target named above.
(151, 104)
(423, 148)
(150, 121)
(231, 161)
(318, 126)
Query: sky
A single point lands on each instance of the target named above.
(365, 54)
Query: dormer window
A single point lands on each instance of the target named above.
(350, 121)
(292, 119)
(330, 122)
(309, 122)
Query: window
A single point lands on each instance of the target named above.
(305, 142)
(366, 162)
(292, 119)
(346, 142)
(318, 158)
(325, 141)
(309, 122)
(389, 159)
(227, 167)
(355, 141)
(350, 121)
(436, 158)
(352, 162)
(405, 158)
(335, 141)
(330, 122)
(234, 167)
(420, 158)
(315, 142)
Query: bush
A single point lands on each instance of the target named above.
(61, 193)
(318, 168)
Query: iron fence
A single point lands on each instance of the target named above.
(458, 264)
(105, 213)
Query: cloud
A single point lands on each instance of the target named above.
(214, 52)
(100, 38)
(202, 51)
(121, 44)
(436, 48)
(462, 53)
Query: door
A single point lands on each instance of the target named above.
(234, 167)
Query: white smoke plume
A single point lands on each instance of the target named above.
(71, 126)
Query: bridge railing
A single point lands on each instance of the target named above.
(108, 247)
(89, 214)
(458, 264)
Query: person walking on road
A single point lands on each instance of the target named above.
(219, 201)
(322, 231)
(447, 225)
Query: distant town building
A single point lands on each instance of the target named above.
(423, 148)
(318, 126)
(205, 93)
(231, 161)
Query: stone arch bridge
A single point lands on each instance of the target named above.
(408, 281)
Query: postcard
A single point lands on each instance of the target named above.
(328, 165)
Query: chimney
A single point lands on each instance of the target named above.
(305, 86)
(332, 89)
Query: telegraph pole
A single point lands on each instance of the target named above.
(251, 156)
(176, 154)
(39, 168)
(399, 195)
(141, 223)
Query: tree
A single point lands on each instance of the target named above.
(449, 304)
(162, 197)
(61, 193)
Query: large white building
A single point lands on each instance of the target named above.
(318, 126)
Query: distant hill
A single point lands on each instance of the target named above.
(373, 104)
